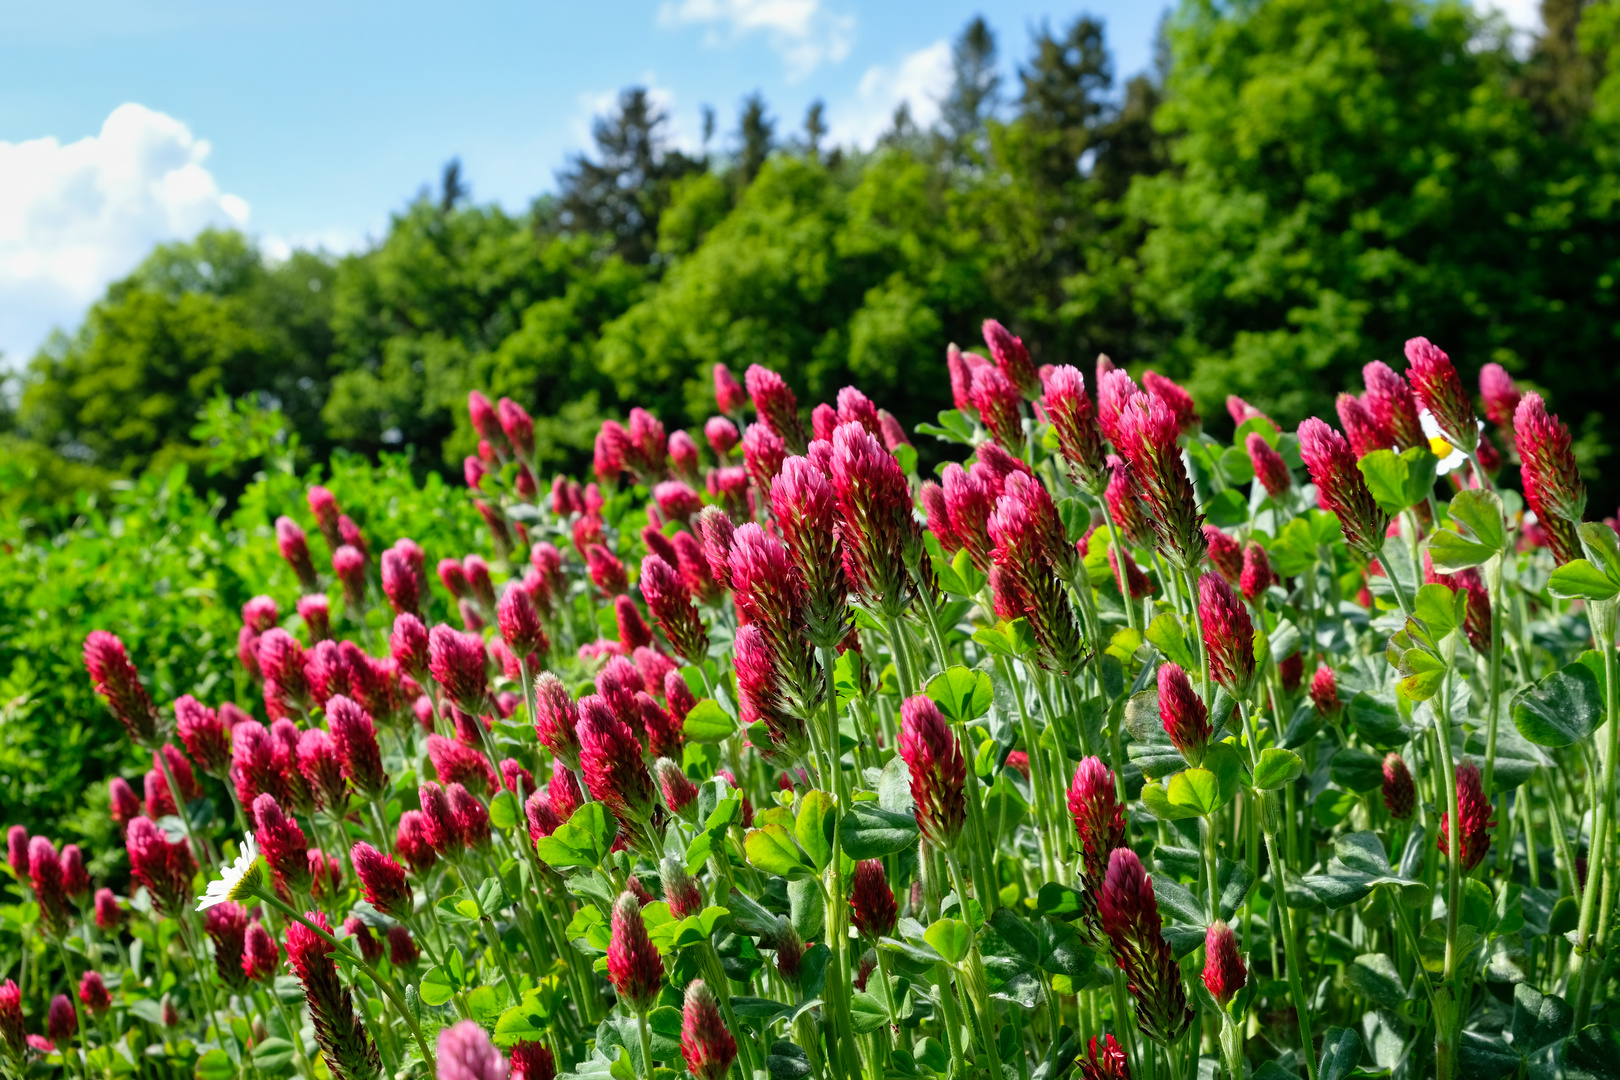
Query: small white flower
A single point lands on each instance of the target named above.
(238, 880)
(1450, 457)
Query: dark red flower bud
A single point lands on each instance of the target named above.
(872, 908)
(204, 735)
(61, 1022)
(606, 570)
(1180, 402)
(109, 917)
(680, 888)
(1552, 483)
(634, 966)
(1501, 396)
(1114, 389)
(45, 876)
(382, 880)
(1393, 405)
(1441, 391)
(355, 736)
(260, 957)
(938, 770)
(1148, 428)
(226, 926)
(1129, 915)
(282, 843)
(997, 399)
(295, 549)
(680, 794)
(1228, 633)
(1183, 713)
(400, 582)
(349, 1052)
(402, 951)
(776, 405)
(706, 1045)
(316, 611)
(721, 435)
(610, 758)
(1269, 467)
(1012, 359)
(664, 735)
(93, 993)
(1257, 576)
(1477, 819)
(350, 567)
(969, 504)
(1291, 669)
(1361, 426)
(718, 532)
(1224, 973)
(1325, 692)
(75, 878)
(1341, 487)
(1099, 816)
(116, 680)
(1075, 421)
(1400, 793)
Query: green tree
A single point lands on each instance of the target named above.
(975, 85)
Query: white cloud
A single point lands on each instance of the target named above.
(75, 217)
(804, 33)
(1523, 15)
(921, 79)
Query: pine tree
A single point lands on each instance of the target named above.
(624, 192)
(975, 85)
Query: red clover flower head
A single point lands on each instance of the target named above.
(402, 951)
(1400, 793)
(1477, 820)
(253, 765)
(465, 1053)
(116, 680)
(894, 435)
(634, 633)
(226, 926)
(109, 916)
(1342, 488)
(1393, 405)
(1114, 389)
(282, 843)
(970, 504)
(400, 582)
(555, 719)
(806, 511)
(606, 570)
(1148, 429)
(456, 660)
(938, 514)
(1129, 915)
(382, 880)
(316, 611)
(123, 804)
(1441, 391)
(1012, 359)
(60, 1019)
(260, 956)
(259, 614)
(872, 907)
(1099, 817)
(1361, 426)
(721, 435)
(520, 623)
(777, 407)
(938, 771)
(204, 735)
(1224, 973)
(1501, 396)
(706, 1046)
(11, 1020)
(1228, 634)
(718, 532)
(350, 567)
(1269, 467)
(45, 877)
(855, 407)
(763, 454)
(322, 770)
(349, 1052)
(683, 454)
(1125, 503)
(1075, 421)
(484, 418)
(680, 888)
(610, 757)
(998, 399)
(93, 993)
(457, 763)
(1180, 402)
(1552, 483)
(1183, 713)
(1324, 692)
(634, 966)
(680, 794)
(1257, 576)
(295, 549)
(355, 736)
(75, 878)
(471, 816)
(728, 393)
(165, 868)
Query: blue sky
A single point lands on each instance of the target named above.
(306, 123)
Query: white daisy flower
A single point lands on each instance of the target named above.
(1450, 457)
(238, 881)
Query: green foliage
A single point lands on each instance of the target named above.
(168, 569)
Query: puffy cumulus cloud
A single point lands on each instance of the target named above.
(76, 216)
(803, 32)
(921, 79)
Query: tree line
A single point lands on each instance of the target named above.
(1290, 192)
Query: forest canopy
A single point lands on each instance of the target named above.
(1293, 190)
